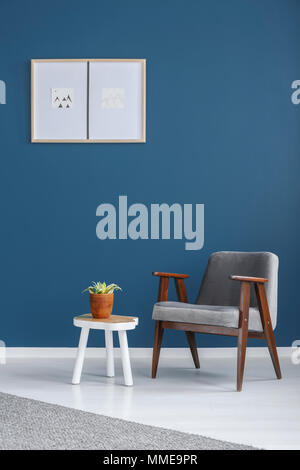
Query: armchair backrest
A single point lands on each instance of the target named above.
(218, 289)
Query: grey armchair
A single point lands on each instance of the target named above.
(237, 297)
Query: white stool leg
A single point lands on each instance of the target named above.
(125, 357)
(109, 343)
(80, 355)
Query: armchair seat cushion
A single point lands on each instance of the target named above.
(205, 314)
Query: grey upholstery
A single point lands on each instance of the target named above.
(218, 299)
(204, 314)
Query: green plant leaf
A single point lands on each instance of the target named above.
(101, 288)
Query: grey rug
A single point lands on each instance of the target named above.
(30, 424)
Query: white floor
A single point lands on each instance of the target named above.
(266, 414)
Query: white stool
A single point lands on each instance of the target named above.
(113, 323)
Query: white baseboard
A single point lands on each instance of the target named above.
(24, 353)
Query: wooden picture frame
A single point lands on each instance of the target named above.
(75, 68)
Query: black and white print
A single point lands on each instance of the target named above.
(62, 98)
(113, 98)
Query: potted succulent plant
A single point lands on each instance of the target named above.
(101, 298)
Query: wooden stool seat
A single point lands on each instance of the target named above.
(114, 322)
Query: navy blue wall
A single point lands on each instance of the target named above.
(221, 130)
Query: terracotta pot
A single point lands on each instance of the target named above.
(101, 305)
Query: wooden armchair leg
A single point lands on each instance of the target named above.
(242, 346)
(193, 347)
(269, 335)
(158, 334)
(267, 326)
(243, 333)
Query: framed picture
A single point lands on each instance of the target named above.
(88, 100)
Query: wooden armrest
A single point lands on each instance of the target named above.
(164, 286)
(176, 276)
(248, 279)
